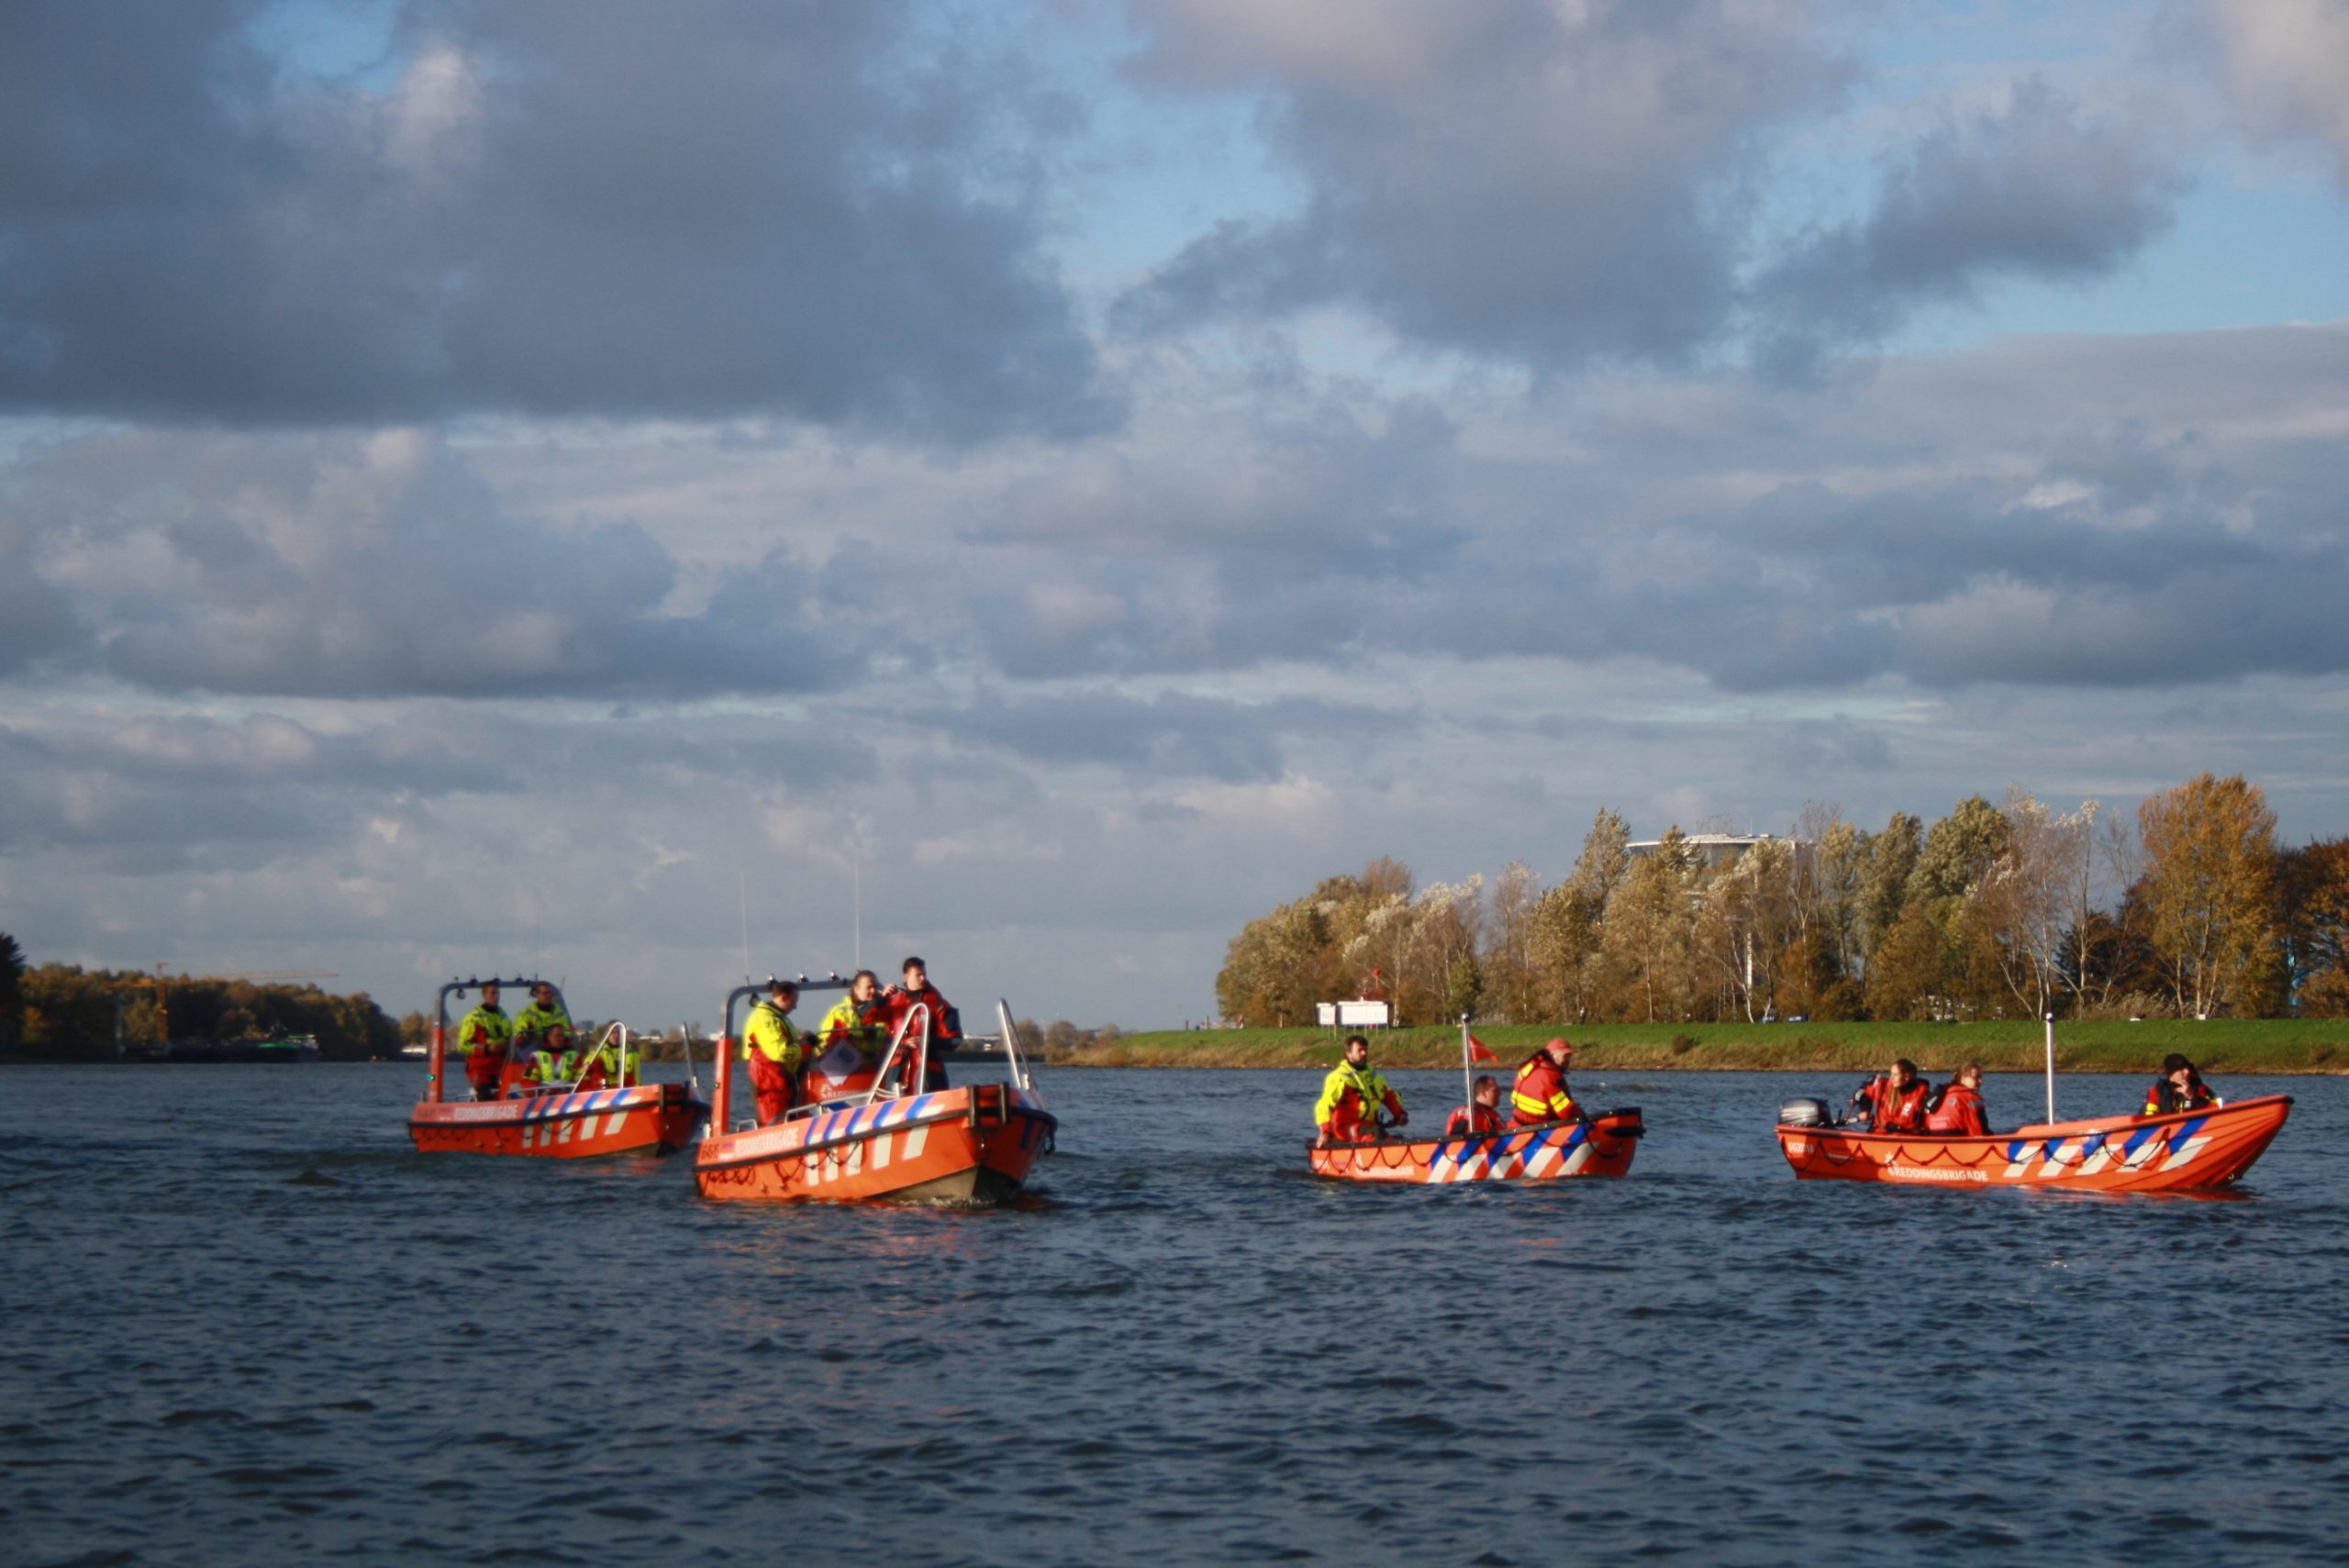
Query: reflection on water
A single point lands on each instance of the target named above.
(247, 1324)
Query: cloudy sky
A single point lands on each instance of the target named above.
(496, 485)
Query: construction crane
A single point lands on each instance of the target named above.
(158, 983)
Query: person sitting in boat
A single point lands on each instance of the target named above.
(1540, 1094)
(483, 1035)
(610, 1065)
(1959, 1110)
(2179, 1088)
(545, 1024)
(1352, 1095)
(545, 1067)
(945, 1023)
(770, 1045)
(860, 1018)
(1481, 1114)
(1894, 1102)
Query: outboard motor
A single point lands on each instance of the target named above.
(1804, 1112)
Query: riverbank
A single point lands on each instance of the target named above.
(2232, 1045)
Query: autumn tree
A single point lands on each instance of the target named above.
(1890, 859)
(1509, 984)
(12, 995)
(2027, 902)
(1646, 939)
(2315, 880)
(2209, 893)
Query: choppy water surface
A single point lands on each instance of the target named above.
(246, 1324)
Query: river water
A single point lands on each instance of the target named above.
(246, 1324)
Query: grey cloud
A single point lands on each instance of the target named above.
(326, 566)
(1169, 736)
(2033, 190)
(1542, 185)
(555, 208)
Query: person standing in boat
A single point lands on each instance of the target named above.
(1896, 1101)
(483, 1035)
(1481, 1114)
(1352, 1095)
(770, 1045)
(1960, 1110)
(2179, 1088)
(1541, 1094)
(945, 1023)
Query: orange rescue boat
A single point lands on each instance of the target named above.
(2180, 1151)
(562, 1120)
(1547, 1152)
(880, 1136)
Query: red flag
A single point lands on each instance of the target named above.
(1479, 1052)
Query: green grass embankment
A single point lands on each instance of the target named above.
(2230, 1045)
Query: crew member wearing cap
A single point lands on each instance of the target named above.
(1352, 1097)
(770, 1045)
(483, 1036)
(1540, 1092)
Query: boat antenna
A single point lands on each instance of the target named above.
(743, 890)
(1467, 1078)
(856, 903)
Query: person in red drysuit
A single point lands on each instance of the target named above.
(1895, 1101)
(1481, 1114)
(945, 1023)
(1960, 1110)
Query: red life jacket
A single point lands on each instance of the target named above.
(1892, 1110)
(1470, 1118)
(2164, 1097)
(1960, 1111)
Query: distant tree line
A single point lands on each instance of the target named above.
(1995, 911)
(64, 1011)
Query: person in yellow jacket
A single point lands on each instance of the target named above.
(610, 1065)
(483, 1035)
(545, 1021)
(770, 1045)
(1352, 1095)
(551, 1067)
(861, 1017)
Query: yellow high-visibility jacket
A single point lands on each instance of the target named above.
(486, 1028)
(1366, 1081)
(536, 1020)
(770, 1030)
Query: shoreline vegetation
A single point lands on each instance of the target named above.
(2279, 1046)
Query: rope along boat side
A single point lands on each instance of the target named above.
(1601, 1147)
(2180, 1151)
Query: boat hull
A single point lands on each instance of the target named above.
(975, 1144)
(2182, 1152)
(1602, 1146)
(645, 1118)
